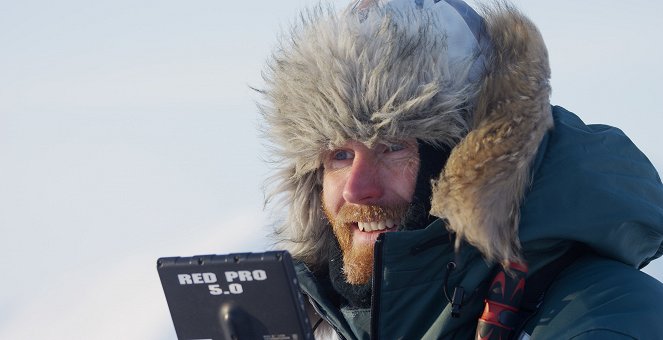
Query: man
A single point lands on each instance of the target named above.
(426, 176)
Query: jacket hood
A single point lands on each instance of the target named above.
(591, 184)
(388, 74)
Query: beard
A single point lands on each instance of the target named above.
(358, 257)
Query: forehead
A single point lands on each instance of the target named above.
(370, 144)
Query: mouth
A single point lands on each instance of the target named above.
(378, 225)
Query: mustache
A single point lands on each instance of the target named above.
(370, 213)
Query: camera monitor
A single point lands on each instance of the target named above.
(234, 296)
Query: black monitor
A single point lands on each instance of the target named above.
(234, 296)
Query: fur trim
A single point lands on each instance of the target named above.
(487, 174)
(335, 79)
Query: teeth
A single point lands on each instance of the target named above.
(378, 225)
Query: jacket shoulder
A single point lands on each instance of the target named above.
(598, 296)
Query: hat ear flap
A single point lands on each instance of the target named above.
(488, 172)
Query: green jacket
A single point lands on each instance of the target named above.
(590, 185)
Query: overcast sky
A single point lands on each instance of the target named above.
(128, 132)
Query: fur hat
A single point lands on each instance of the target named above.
(424, 69)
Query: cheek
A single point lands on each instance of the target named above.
(405, 179)
(332, 189)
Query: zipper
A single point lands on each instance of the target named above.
(323, 317)
(376, 285)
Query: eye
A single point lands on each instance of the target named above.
(342, 155)
(395, 147)
(339, 158)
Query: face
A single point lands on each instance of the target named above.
(366, 192)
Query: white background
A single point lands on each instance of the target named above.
(128, 132)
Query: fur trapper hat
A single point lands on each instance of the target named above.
(431, 70)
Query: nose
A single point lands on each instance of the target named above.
(363, 184)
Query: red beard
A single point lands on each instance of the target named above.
(358, 256)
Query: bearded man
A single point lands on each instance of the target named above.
(432, 191)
